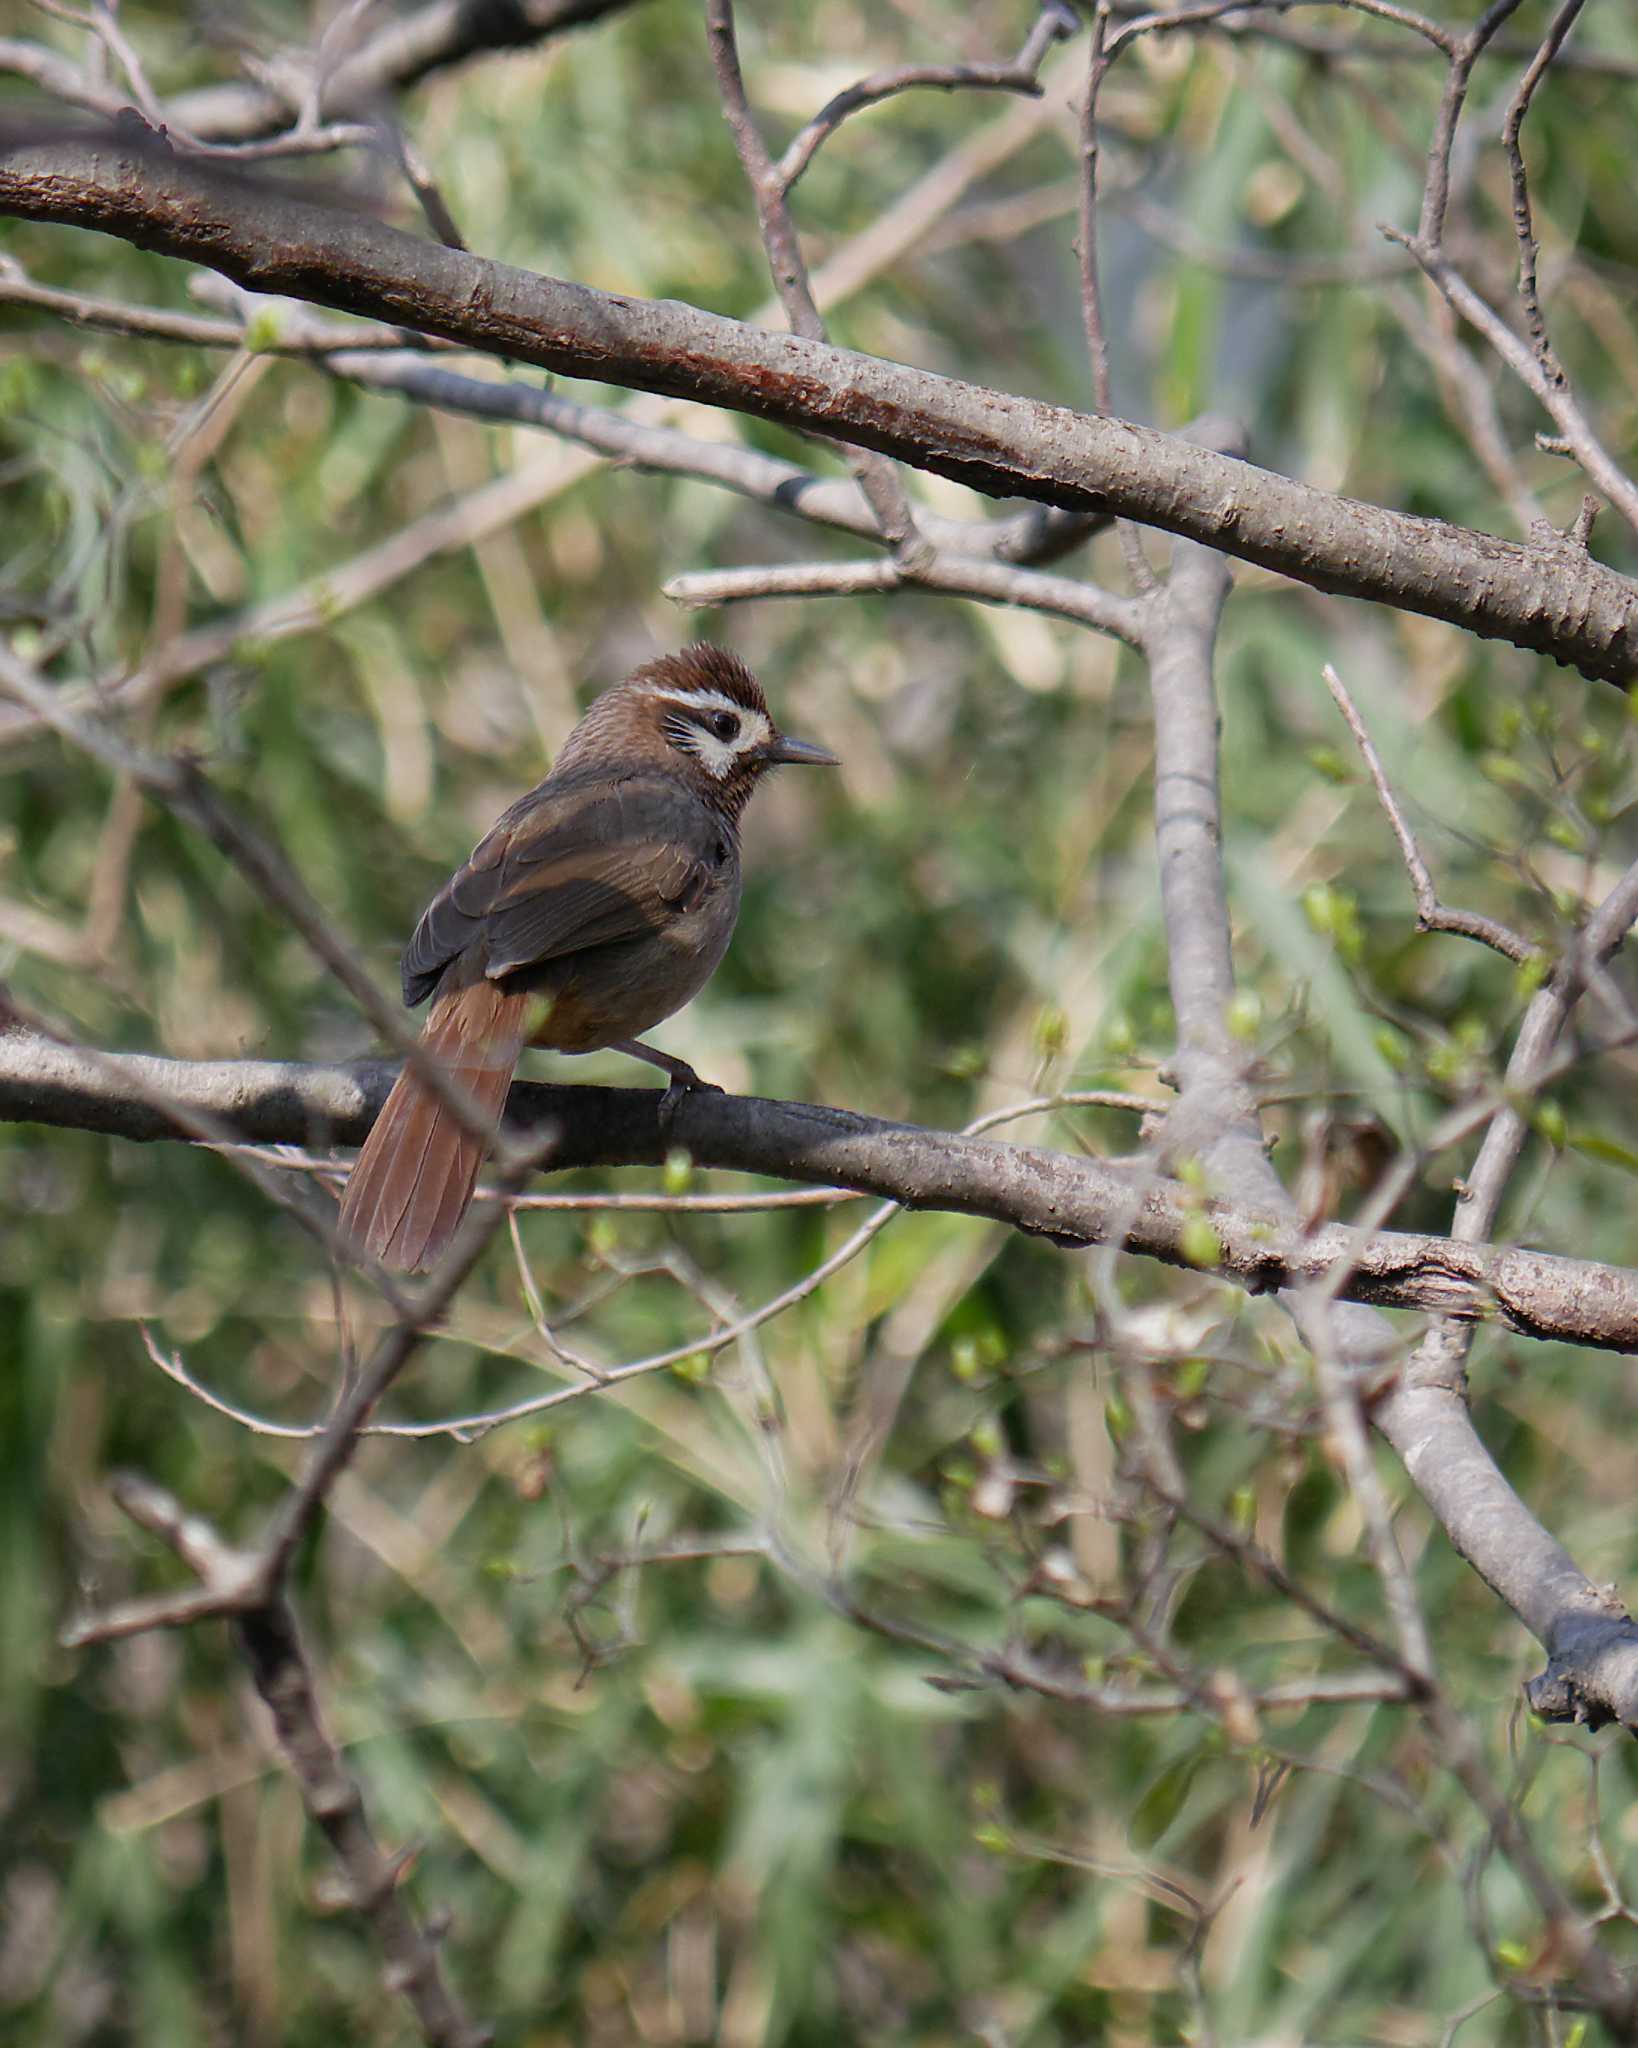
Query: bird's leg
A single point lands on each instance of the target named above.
(684, 1080)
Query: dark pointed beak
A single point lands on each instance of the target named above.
(798, 752)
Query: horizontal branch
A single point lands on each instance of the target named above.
(1023, 537)
(1072, 1200)
(1552, 598)
(1064, 597)
(198, 330)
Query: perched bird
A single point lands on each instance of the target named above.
(598, 904)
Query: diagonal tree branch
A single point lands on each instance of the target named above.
(1350, 1346)
(1552, 598)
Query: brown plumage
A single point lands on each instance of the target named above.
(596, 906)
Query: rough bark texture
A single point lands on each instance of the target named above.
(1049, 1194)
(125, 181)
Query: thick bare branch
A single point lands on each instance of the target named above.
(1591, 1642)
(1555, 600)
(1049, 1194)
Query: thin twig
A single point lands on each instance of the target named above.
(1431, 914)
(469, 1427)
(283, 330)
(1061, 597)
(1531, 361)
(877, 477)
(102, 22)
(1022, 75)
(1458, 75)
(1099, 59)
(1523, 224)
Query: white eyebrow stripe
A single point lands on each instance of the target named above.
(699, 700)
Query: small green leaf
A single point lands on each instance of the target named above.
(1162, 1803)
(1319, 906)
(987, 1440)
(262, 331)
(1118, 1034)
(1530, 974)
(1393, 1046)
(1327, 761)
(1244, 1015)
(1051, 1031)
(1504, 769)
(1334, 914)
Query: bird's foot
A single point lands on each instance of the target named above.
(681, 1080)
(677, 1091)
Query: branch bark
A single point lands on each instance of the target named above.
(1072, 1200)
(1553, 599)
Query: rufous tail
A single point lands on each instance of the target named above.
(413, 1181)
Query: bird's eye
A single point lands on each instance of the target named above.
(724, 724)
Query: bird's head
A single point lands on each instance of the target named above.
(700, 714)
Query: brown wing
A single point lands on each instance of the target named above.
(568, 867)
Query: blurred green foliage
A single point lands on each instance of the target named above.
(695, 1801)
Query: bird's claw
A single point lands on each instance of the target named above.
(677, 1090)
